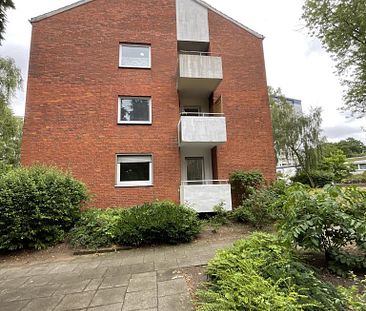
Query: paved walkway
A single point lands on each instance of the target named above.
(146, 279)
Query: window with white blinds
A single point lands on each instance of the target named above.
(134, 170)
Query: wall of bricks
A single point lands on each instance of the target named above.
(74, 83)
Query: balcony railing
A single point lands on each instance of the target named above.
(202, 129)
(204, 195)
(199, 72)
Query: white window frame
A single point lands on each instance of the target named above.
(120, 98)
(121, 45)
(139, 183)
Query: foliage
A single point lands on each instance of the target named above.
(336, 164)
(220, 218)
(243, 183)
(356, 179)
(296, 135)
(328, 221)
(261, 273)
(319, 178)
(96, 228)
(256, 209)
(340, 25)
(351, 147)
(37, 206)
(158, 222)
(10, 126)
(10, 78)
(355, 296)
(4, 5)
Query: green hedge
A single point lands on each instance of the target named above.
(262, 274)
(38, 205)
(150, 223)
(320, 178)
(96, 228)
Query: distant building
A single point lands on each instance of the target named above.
(359, 164)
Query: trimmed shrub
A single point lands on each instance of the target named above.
(96, 228)
(158, 222)
(320, 178)
(261, 273)
(37, 206)
(244, 184)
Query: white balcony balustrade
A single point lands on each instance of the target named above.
(202, 129)
(199, 73)
(203, 196)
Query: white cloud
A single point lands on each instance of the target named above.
(295, 62)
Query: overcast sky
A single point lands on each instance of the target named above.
(295, 62)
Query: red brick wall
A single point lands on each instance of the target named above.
(74, 83)
(245, 100)
(73, 88)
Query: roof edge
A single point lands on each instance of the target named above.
(60, 10)
(208, 6)
(201, 2)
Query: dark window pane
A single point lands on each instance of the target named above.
(134, 172)
(362, 166)
(194, 169)
(135, 56)
(135, 109)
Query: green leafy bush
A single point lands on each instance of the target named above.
(335, 163)
(320, 178)
(261, 273)
(256, 209)
(259, 208)
(37, 206)
(356, 179)
(158, 222)
(96, 228)
(327, 220)
(243, 184)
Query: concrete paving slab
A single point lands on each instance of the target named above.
(108, 296)
(140, 300)
(75, 301)
(142, 284)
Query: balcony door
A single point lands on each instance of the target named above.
(195, 170)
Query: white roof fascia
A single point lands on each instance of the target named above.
(60, 10)
(204, 4)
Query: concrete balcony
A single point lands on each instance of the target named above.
(199, 73)
(202, 130)
(203, 196)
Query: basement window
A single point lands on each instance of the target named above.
(134, 110)
(135, 56)
(134, 170)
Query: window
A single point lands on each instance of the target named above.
(134, 170)
(362, 166)
(134, 110)
(135, 56)
(195, 169)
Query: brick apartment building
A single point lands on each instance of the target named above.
(146, 100)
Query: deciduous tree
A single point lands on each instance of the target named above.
(340, 25)
(296, 135)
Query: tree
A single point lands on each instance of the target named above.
(341, 27)
(10, 125)
(351, 147)
(296, 135)
(335, 163)
(4, 5)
